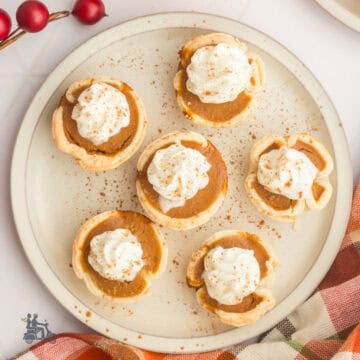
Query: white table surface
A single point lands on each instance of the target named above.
(327, 47)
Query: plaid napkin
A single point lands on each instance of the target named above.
(324, 327)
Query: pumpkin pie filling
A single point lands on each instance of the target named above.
(205, 197)
(246, 242)
(273, 146)
(248, 303)
(209, 111)
(117, 142)
(141, 227)
(276, 201)
(311, 153)
(317, 191)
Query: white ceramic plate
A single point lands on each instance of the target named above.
(52, 196)
(346, 11)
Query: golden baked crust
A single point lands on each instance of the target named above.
(81, 273)
(263, 293)
(155, 213)
(257, 79)
(97, 161)
(299, 142)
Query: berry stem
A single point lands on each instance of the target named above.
(14, 32)
(58, 15)
(18, 33)
(15, 35)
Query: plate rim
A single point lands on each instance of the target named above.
(341, 14)
(52, 282)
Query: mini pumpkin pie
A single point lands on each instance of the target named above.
(217, 80)
(288, 175)
(181, 180)
(118, 253)
(100, 122)
(230, 273)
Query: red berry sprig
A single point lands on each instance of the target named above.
(5, 24)
(33, 16)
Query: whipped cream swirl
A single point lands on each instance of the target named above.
(101, 112)
(287, 172)
(116, 255)
(230, 274)
(177, 173)
(218, 74)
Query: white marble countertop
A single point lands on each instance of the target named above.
(327, 47)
